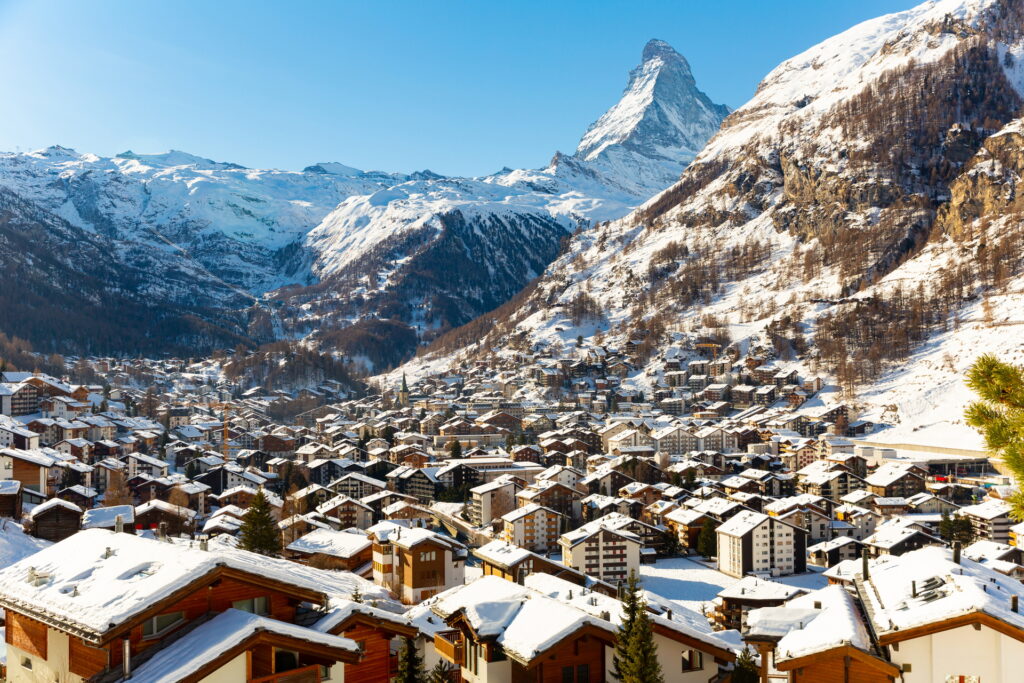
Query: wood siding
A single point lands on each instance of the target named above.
(85, 660)
(26, 634)
(375, 665)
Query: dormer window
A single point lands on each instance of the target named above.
(161, 624)
(260, 605)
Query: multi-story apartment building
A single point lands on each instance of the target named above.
(347, 512)
(896, 480)
(533, 527)
(563, 499)
(755, 542)
(492, 500)
(990, 519)
(606, 554)
(415, 563)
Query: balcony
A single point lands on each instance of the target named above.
(306, 674)
(449, 645)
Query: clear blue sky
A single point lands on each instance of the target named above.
(459, 87)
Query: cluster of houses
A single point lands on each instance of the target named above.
(495, 532)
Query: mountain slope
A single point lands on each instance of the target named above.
(434, 253)
(265, 254)
(849, 216)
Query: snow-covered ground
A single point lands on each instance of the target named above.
(692, 584)
(15, 544)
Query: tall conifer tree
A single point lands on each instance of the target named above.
(259, 532)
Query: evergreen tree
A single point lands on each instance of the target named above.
(999, 415)
(690, 479)
(441, 673)
(259, 532)
(630, 606)
(636, 657)
(707, 542)
(455, 449)
(410, 664)
(672, 545)
(746, 670)
(956, 530)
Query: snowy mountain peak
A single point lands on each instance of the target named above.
(333, 168)
(174, 158)
(659, 49)
(55, 153)
(662, 117)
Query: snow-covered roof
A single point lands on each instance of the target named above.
(944, 588)
(502, 553)
(98, 579)
(742, 523)
(210, 640)
(52, 503)
(106, 517)
(164, 506)
(754, 588)
(989, 509)
(342, 544)
(812, 623)
(527, 620)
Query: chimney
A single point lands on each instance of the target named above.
(126, 658)
(913, 589)
(119, 524)
(956, 552)
(864, 564)
(668, 615)
(1013, 603)
(162, 531)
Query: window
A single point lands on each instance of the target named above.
(160, 624)
(567, 674)
(325, 673)
(428, 556)
(693, 660)
(259, 605)
(26, 663)
(583, 673)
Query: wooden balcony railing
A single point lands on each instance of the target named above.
(306, 674)
(449, 645)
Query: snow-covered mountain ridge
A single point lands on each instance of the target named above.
(856, 215)
(332, 245)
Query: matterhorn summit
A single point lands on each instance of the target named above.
(657, 127)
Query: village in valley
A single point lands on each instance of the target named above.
(726, 386)
(164, 523)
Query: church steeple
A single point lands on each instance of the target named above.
(403, 393)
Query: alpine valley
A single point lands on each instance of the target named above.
(173, 253)
(859, 217)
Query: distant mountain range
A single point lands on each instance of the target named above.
(174, 252)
